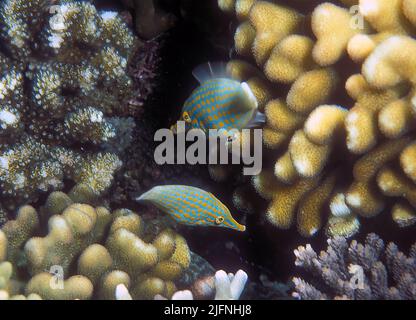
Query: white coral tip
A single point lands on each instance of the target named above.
(183, 295)
(122, 293)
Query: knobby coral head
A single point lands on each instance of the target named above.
(342, 161)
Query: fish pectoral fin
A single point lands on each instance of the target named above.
(210, 70)
(257, 120)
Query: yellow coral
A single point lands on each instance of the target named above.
(140, 256)
(265, 184)
(363, 196)
(324, 123)
(310, 133)
(3, 246)
(226, 5)
(94, 261)
(261, 90)
(274, 139)
(343, 226)
(386, 68)
(69, 234)
(385, 15)
(76, 287)
(403, 214)
(149, 287)
(91, 250)
(409, 10)
(272, 23)
(284, 169)
(408, 161)
(282, 209)
(175, 256)
(311, 89)
(242, 8)
(109, 283)
(244, 38)
(308, 158)
(361, 45)
(341, 221)
(362, 120)
(241, 70)
(281, 118)
(333, 27)
(393, 184)
(19, 231)
(309, 216)
(289, 59)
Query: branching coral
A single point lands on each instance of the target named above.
(357, 271)
(64, 89)
(86, 252)
(344, 140)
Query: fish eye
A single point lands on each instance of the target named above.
(186, 117)
(219, 220)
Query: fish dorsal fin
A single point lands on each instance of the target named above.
(210, 70)
(257, 121)
(250, 95)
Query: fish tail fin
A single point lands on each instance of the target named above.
(210, 70)
(258, 120)
(147, 196)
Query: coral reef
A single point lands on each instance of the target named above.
(339, 97)
(65, 89)
(357, 271)
(87, 251)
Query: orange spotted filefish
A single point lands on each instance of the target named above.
(220, 102)
(191, 206)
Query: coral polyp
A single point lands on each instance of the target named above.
(65, 94)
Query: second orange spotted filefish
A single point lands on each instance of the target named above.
(220, 102)
(191, 206)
